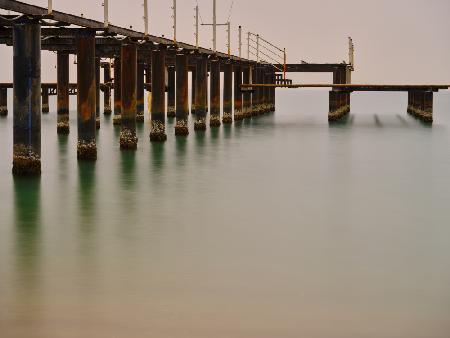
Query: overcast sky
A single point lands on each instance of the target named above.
(397, 41)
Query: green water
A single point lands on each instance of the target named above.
(279, 227)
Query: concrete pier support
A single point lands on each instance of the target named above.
(238, 113)
(107, 91)
(3, 101)
(27, 99)
(62, 125)
(247, 96)
(193, 89)
(339, 105)
(148, 79)
(117, 93)
(201, 93)
(140, 92)
(272, 91)
(128, 58)
(420, 105)
(86, 105)
(158, 118)
(182, 95)
(227, 93)
(45, 105)
(214, 120)
(171, 109)
(255, 94)
(97, 92)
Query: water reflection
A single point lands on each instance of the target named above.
(180, 151)
(128, 172)
(86, 195)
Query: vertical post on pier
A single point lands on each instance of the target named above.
(63, 93)
(193, 88)
(333, 106)
(27, 99)
(148, 80)
(273, 101)
(45, 106)
(107, 89)
(3, 101)
(408, 109)
(238, 114)
(158, 119)
(201, 95)
(182, 100)
(171, 111)
(86, 105)
(427, 115)
(128, 57)
(117, 92)
(140, 93)
(227, 93)
(214, 120)
(264, 91)
(247, 97)
(254, 80)
(97, 92)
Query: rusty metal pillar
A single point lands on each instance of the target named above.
(171, 111)
(227, 93)
(193, 89)
(427, 115)
(148, 81)
(238, 113)
(158, 127)
(255, 93)
(27, 99)
(62, 70)
(140, 92)
(182, 101)
(128, 58)
(214, 120)
(97, 92)
(86, 106)
(3, 101)
(45, 106)
(107, 89)
(201, 93)
(247, 96)
(408, 109)
(117, 92)
(333, 106)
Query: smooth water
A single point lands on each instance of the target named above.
(283, 226)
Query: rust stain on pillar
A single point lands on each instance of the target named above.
(63, 93)
(107, 91)
(3, 101)
(182, 94)
(201, 95)
(45, 106)
(158, 127)
(117, 92)
(27, 99)
(214, 120)
(238, 113)
(171, 111)
(86, 105)
(97, 92)
(128, 57)
(227, 93)
(140, 92)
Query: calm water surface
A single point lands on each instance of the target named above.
(279, 227)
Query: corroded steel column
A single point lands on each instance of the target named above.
(27, 99)
(193, 89)
(45, 107)
(87, 148)
(97, 92)
(128, 58)
(227, 93)
(238, 114)
(140, 93)
(214, 120)
(427, 115)
(201, 93)
(247, 97)
(3, 101)
(182, 72)
(107, 90)
(63, 93)
(171, 92)
(158, 127)
(273, 93)
(148, 80)
(255, 91)
(117, 92)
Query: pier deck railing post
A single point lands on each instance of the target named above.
(62, 70)
(182, 94)
(128, 57)
(27, 99)
(86, 100)
(214, 120)
(158, 118)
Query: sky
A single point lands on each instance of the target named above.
(396, 41)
